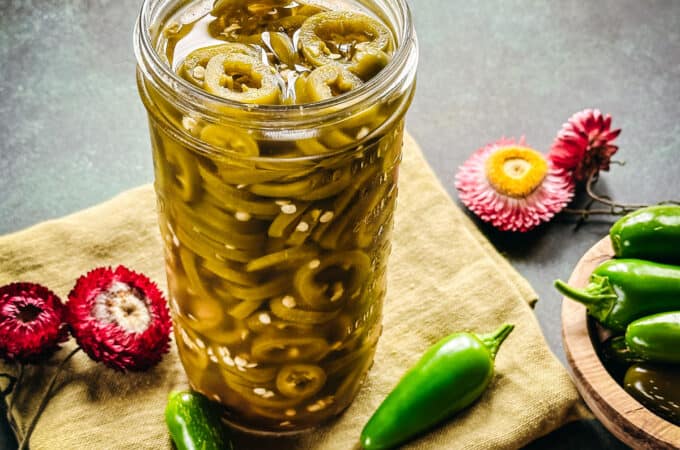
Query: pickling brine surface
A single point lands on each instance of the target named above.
(276, 52)
(276, 249)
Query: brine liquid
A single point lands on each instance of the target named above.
(276, 269)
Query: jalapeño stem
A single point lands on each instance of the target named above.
(494, 340)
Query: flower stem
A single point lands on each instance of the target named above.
(19, 378)
(11, 382)
(615, 209)
(12, 388)
(589, 212)
(43, 402)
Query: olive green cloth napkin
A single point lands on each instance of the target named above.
(443, 277)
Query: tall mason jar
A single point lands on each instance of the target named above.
(276, 221)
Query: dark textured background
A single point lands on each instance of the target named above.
(73, 132)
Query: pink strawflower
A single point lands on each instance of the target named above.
(120, 318)
(584, 144)
(512, 186)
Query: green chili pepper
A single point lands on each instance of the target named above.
(449, 377)
(651, 233)
(616, 352)
(657, 388)
(617, 357)
(194, 423)
(623, 290)
(653, 338)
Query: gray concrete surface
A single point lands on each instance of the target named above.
(73, 132)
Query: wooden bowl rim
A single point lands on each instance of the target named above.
(620, 413)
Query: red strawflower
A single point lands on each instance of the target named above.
(584, 144)
(31, 322)
(119, 318)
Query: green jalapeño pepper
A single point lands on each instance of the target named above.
(622, 290)
(616, 352)
(649, 233)
(657, 388)
(653, 338)
(194, 423)
(617, 357)
(451, 375)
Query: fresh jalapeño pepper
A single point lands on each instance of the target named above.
(194, 423)
(657, 388)
(653, 338)
(623, 290)
(616, 352)
(449, 377)
(651, 233)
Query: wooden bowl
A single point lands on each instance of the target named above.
(620, 413)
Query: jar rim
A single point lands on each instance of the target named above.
(153, 67)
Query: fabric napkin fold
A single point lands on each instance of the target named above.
(443, 276)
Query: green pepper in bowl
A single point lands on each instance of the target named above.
(654, 338)
(623, 290)
(657, 388)
(651, 233)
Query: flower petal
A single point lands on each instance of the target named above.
(31, 322)
(508, 213)
(583, 145)
(121, 342)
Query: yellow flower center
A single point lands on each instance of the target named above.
(516, 171)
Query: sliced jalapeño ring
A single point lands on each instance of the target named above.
(242, 78)
(333, 36)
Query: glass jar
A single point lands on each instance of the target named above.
(276, 222)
